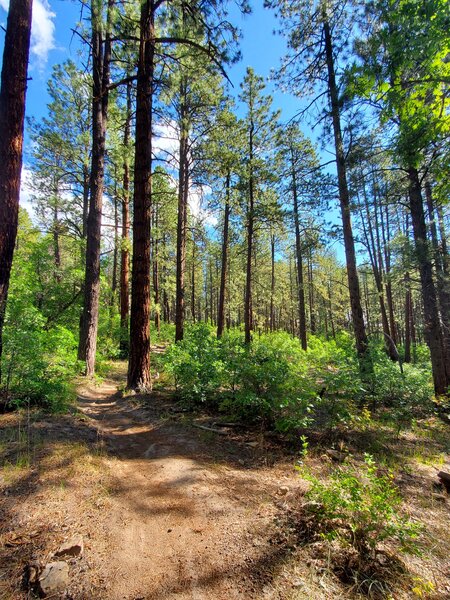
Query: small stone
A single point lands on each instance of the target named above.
(73, 547)
(336, 455)
(252, 444)
(445, 480)
(54, 578)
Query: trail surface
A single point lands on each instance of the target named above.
(189, 515)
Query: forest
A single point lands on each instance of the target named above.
(225, 329)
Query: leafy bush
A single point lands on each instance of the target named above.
(37, 364)
(360, 508)
(271, 382)
(195, 364)
(275, 381)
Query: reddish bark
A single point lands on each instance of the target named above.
(139, 361)
(12, 114)
(349, 243)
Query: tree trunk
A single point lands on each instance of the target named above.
(442, 283)
(272, 283)
(125, 252)
(101, 57)
(374, 251)
(359, 328)
(183, 191)
(299, 257)
(248, 321)
(12, 114)
(223, 273)
(432, 325)
(139, 362)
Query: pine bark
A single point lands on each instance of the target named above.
(183, 191)
(223, 273)
(349, 243)
(432, 326)
(12, 113)
(125, 252)
(101, 58)
(139, 360)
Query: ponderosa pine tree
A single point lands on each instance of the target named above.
(139, 357)
(259, 130)
(410, 86)
(12, 114)
(101, 58)
(219, 166)
(299, 167)
(316, 30)
(61, 149)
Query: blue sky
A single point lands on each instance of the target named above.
(53, 41)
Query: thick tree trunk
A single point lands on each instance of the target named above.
(223, 273)
(432, 325)
(125, 252)
(349, 243)
(139, 361)
(101, 57)
(12, 114)
(442, 282)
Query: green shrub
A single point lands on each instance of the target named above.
(37, 365)
(273, 380)
(360, 508)
(195, 364)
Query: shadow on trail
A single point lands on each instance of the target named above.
(169, 477)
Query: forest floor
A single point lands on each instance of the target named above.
(169, 510)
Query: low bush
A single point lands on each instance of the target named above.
(361, 509)
(196, 364)
(37, 365)
(274, 381)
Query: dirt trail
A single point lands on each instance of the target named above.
(180, 521)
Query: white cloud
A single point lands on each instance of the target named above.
(196, 204)
(42, 30)
(166, 142)
(25, 189)
(166, 147)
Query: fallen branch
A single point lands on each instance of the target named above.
(204, 428)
